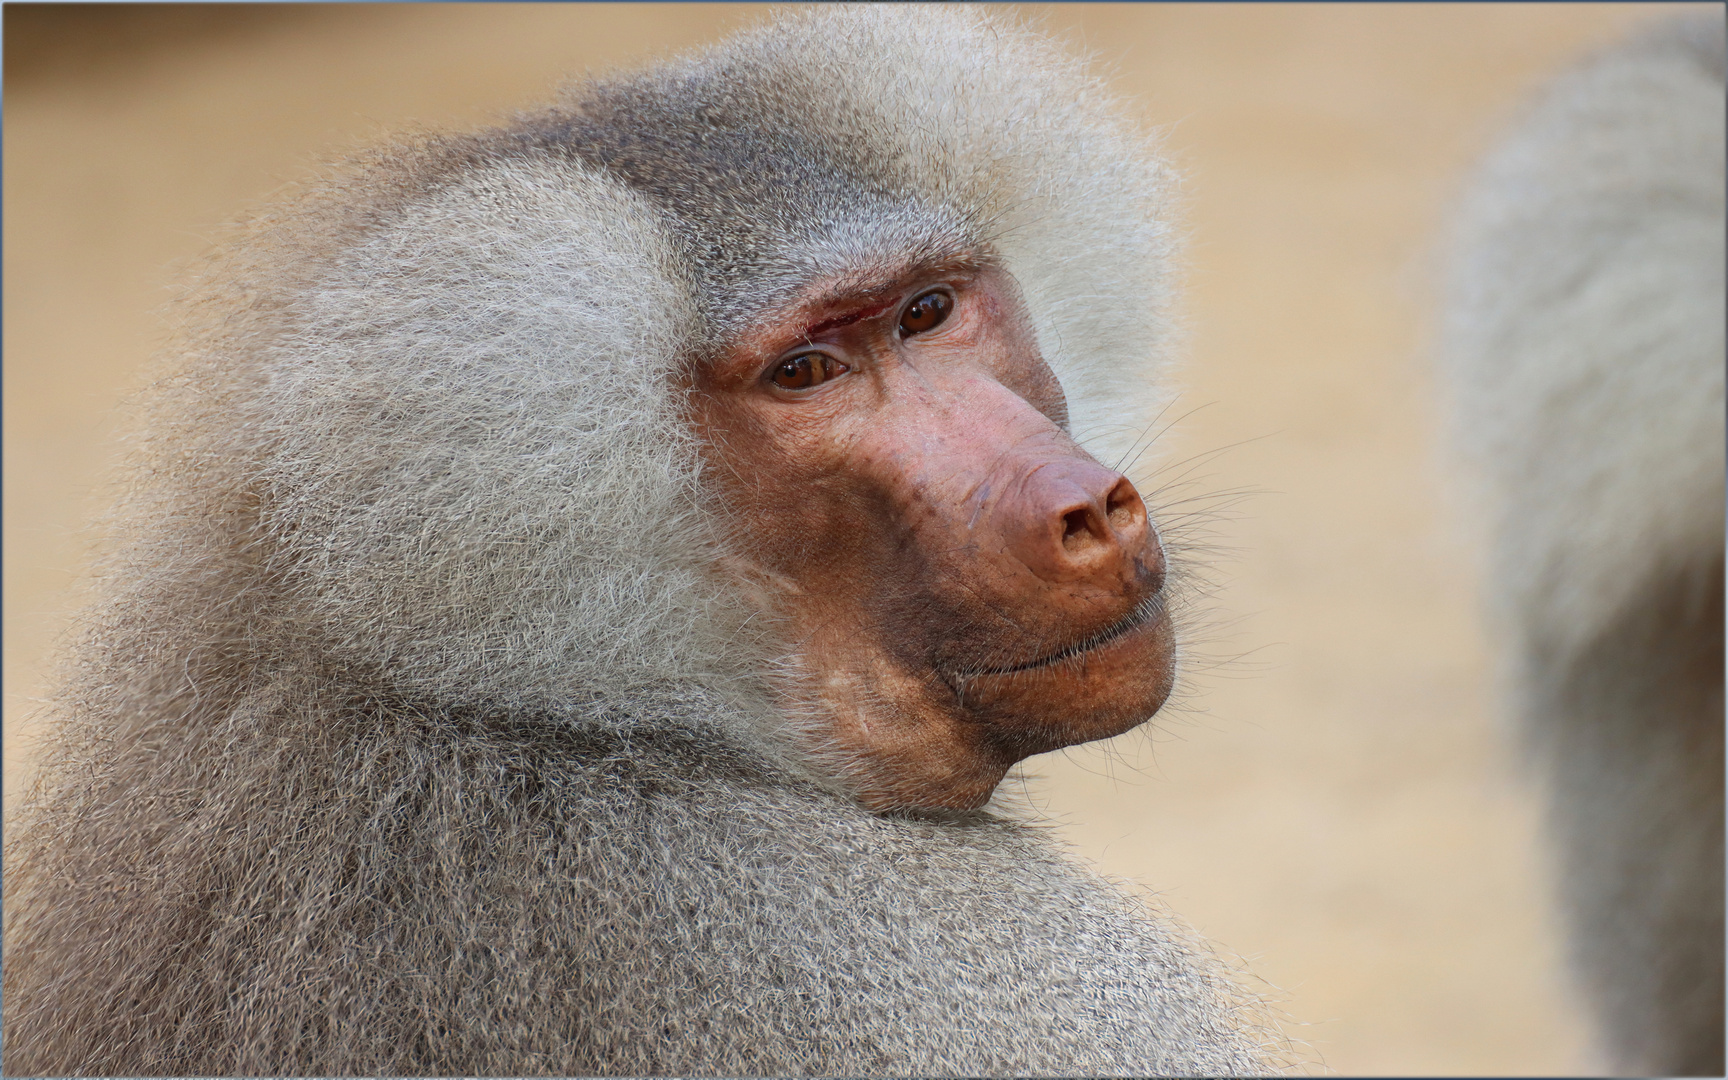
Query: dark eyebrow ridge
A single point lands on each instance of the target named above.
(844, 320)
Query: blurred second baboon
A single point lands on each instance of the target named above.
(1584, 338)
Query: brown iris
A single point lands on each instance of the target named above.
(925, 313)
(806, 370)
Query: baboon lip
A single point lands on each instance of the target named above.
(1142, 613)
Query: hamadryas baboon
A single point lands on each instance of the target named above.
(582, 582)
(1584, 338)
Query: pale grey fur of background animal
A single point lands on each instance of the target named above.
(413, 733)
(1585, 343)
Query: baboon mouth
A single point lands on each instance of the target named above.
(1142, 613)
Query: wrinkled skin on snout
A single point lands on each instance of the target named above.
(962, 585)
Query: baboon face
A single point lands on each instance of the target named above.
(962, 584)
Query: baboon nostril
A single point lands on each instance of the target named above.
(1075, 526)
(1123, 505)
(1073, 521)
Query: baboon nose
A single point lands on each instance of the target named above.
(1078, 521)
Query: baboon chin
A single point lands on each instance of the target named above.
(586, 578)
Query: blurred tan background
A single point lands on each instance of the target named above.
(1335, 801)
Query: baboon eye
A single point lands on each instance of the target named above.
(925, 313)
(806, 370)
